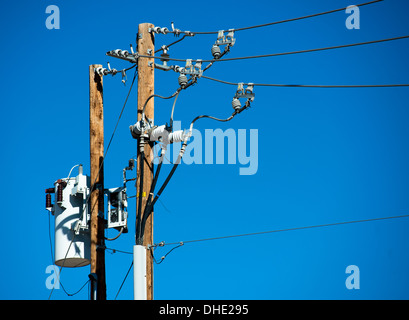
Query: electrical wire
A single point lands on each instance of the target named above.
(285, 230)
(149, 207)
(126, 69)
(309, 86)
(171, 44)
(153, 185)
(142, 218)
(76, 292)
(285, 53)
(139, 234)
(117, 236)
(225, 51)
(116, 250)
(69, 175)
(210, 117)
(173, 109)
(126, 276)
(158, 96)
(113, 72)
(236, 112)
(163, 257)
(277, 22)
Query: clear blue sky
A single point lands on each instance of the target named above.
(324, 155)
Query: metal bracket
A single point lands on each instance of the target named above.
(190, 69)
(223, 39)
(245, 93)
(117, 207)
(162, 67)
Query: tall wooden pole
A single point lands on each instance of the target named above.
(96, 203)
(146, 45)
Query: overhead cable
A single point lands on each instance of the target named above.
(190, 33)
(283, 53)
(123, 281)
(288, 229)
(310, 86)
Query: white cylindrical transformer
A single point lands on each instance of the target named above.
(71, 196)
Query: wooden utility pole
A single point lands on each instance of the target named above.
(96, 203)
(146, 46)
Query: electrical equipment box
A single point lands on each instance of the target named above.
(71, 218)
(117, 208)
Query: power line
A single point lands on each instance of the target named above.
(284, 230)
(282, 53)
(170, 44)
(310, 86)
(163, 257)
(76, 292)
(116, 250)
(274, 23)
(126, 276)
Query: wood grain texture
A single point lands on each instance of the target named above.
(96, 203)
(146, 83)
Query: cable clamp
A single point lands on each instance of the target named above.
(227, 39)
(190, 69)
(124, 77)
(245, 93)
(174, 30)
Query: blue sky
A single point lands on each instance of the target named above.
(324, 155)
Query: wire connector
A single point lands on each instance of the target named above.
(177, 32)
(227, 39)
(190, 69)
